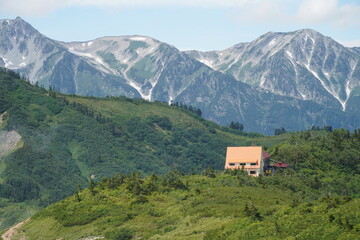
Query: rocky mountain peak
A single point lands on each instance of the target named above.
(17, 27)
(303, 64)
(228, 85)
(308, 31)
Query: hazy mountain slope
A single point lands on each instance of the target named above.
(260, 110)
(302, 64)
(157, 70)
(184, 80)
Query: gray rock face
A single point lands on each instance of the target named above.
(294, 80)
(49, 63)
(303, 64)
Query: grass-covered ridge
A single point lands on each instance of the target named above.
(65, 139)
(317, 198)
(219, 205)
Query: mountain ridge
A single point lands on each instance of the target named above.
(142, 67)
(243, 63)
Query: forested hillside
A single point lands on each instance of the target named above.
(54, 142)
(215, 205)
(317, 198)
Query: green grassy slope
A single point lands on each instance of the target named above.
(65, 139)
(230, 206)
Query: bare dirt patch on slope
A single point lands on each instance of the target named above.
(2, 117)
(9, 140)
(11, 232)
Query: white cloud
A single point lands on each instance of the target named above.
(316, 10)
(353, 43)
(260, 11)
(43, 7)
(264, 11)
(304, 12)
(33, 7)
(328, 11)
(191, 3)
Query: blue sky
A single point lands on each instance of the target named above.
(187, 24)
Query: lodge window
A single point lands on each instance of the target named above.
(242, 164)
(252, 172)
(252, 164)
(231, 164)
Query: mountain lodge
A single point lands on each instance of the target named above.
(252, 159)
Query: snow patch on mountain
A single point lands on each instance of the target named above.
(348, 89)
(326, 74)
(170, 100)
(289, 54)
(327, 88)
(303, 96)
(8, 63)
(88, 55)
(262, 80)
(272, 43)
(138, 38)
(206, 62)
(94, 59)
(138, 88)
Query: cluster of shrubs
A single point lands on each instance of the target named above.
(187, 107)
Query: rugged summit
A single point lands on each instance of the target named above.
(303, 64)
(156, 70)
(48, 63)
(301, 76)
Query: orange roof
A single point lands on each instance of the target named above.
(243, 154)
